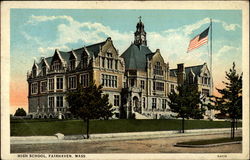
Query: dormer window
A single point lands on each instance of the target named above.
(44, 71)
(72, 64)
(85, 62)
(158, 69)
(34, 71)
(56, 65)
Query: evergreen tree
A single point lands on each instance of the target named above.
(186, 102)
(20, 112)
(89, 103)
(230, 102)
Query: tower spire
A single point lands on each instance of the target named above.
(140, 34)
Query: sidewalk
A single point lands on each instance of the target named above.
(117, 136)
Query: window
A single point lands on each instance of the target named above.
(164, 103)
(51, 102)
(44, 71)
(34, 72)
(59, 101)
(103, 62)
(109, 54)
(56, 66)
(132, 82)
(34, 88)
(51, 84)
(59, 83)
(158, 86)
(116, 100)
(205, 80)
(205, 92)
(85, 62)
(72, 82)
(84, 80)
(72, 64)
(43, 86)
(142, 84)
(110, 63)
(109, 80)
(158, 69)
(116, 64)
(172, 88)
(153, 102)
(143, 102)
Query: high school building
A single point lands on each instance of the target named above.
(137, 81)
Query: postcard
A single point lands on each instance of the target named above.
(125, 80)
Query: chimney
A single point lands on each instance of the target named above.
(180, 73)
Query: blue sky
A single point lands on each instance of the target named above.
(37, 33)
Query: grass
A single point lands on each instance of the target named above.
(211, 141)
(71, 127)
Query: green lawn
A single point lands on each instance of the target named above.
(71, 127)
(211, 141)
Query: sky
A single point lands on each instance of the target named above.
(36, 33)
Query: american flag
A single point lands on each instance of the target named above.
(198, 40)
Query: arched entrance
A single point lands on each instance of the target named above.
(136, 104)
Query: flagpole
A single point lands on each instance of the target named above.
(211, 63)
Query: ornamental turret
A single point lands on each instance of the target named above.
(140, 34)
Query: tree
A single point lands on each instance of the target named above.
(186, 102)
(20, 112)
(89, 103)
(230, 102)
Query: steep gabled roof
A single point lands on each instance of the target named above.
(94, 49)
(135, 57)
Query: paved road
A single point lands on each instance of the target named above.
(154, 145)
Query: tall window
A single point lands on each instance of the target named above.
(34, 88)
(109, 81)
(103, 62)
(84, 80)
(59, 83)
(59, 101)
(85, 61)
(142, 84)
(158, 69)
(44, 71)
(72, 82)
(51, 102)
(72, 64)
(110, 63)
(172, 88)
(143, 102)
(34, 72)
(164, 103)
(116, 64)
(51, 84)
(153, 102)
(116, 100)
(43, 86)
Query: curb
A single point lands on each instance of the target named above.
(206, 145)
(115, 136)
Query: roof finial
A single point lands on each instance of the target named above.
(139, 18)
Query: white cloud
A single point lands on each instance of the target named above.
(36, 19)
(188, 29)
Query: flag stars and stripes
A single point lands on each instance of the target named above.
(198, 40)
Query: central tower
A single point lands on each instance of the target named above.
(140, 34)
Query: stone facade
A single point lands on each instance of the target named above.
(137, 81)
